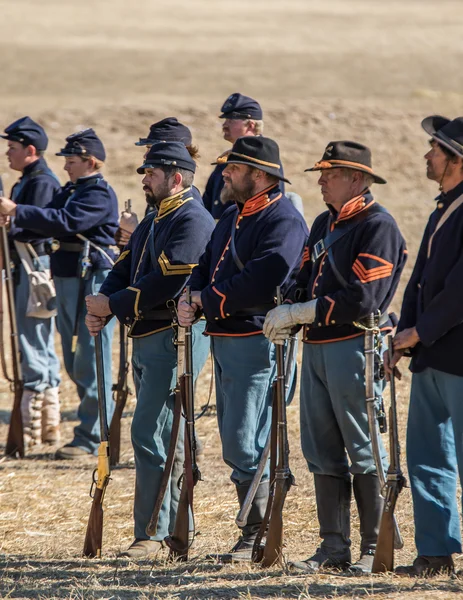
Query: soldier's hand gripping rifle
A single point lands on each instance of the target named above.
(94, 536)
(395, 481)
(179, 541)
(282, 477)
(371, 337)
(84, 272)
(15, 441)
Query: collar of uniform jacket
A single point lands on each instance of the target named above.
(172, 203)
(38, 165)
(448, 197)
(353, 207)
(259, 201)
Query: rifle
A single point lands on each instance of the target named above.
(15, 440)
(395, 481)
(372, 334)
(120, 393)
(101, 475)
(85, 265)
(290, 359)
(283, 479)
(179, 541)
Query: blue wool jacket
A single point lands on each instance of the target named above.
(88, 207)
(156, 263)
(370, 258)
(433, 299)
(37, 187)
(270, 235)
(214, 186)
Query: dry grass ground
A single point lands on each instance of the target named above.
(365, 70)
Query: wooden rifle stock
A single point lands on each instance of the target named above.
(121, 392)
(395, 481)
(283, 478)
(179, 541)
(15, 440)
(94, 535)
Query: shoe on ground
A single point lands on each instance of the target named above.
(427, 566)
(241, 551)
(364, 565)
(142, 549)
(322, 560)
(69, 452)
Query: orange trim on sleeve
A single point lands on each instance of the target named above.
(222, 313)
(381, 260)
(367, 276)
(330, 310)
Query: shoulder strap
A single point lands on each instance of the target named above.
(335, 235)
(450, 210)
(235, 256)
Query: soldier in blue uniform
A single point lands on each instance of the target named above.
(151, 271)
(83, 215)
(257, 245)
(27, 142)
(166, 130)
(242, 117)
(431, 328)
(351, 269)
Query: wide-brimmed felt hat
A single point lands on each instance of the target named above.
(238, 106)
(168, 154)
(446, 132)
(27, 132)
(347, 155)
(84, 143)
(258, 152)
(167, 130)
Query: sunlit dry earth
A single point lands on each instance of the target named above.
(363, 70)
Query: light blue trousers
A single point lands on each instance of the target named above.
(154, 361)
(39, 363)
(334, 423)
(81, 366)
(245, 369)
(435, 459)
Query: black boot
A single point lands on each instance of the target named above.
(242, 550)
(333, 495)
(367, 492)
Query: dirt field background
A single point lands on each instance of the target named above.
(358, 69)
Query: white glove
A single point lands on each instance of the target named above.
(282, 318)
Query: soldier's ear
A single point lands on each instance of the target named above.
(31, 150)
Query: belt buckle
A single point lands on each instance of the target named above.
(318, 250)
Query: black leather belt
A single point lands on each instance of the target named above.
(40, 249)
(76, 247)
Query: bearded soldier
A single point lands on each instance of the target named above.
(150, 273)
(166, 130)
(256, 246)
(352, 268)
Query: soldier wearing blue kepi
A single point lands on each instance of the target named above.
(431, 328)
(151, 272)
(83, 217)
(256, 246)
(242, 117)
(166, 130)
(27, 141)
(351, 270)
